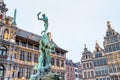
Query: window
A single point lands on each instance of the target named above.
(58, 62)
(85, 75)
(17, 42)
(23, 44)
(104, 61)
(62, 54)
(98, 54)
(88, 74)
(99, 73)
(94, 62)
(110, 69)
(35, 57)
(86, 56)
(98, 62)
(114, 47)
(108, 78)
(87, 65)
(29, 56)
(62, 63)
(53, 61)
(110, 48)
(28, 73)
(22, 55)
(76, 70)
(106, 49)
(117, 65)
(3, 51)
(20, 72)
(92, 74)
(13, 73)
(101, 63)
(68, 68)
(118, 46)
(30, 46)
(113, 68)
(76, 75)
(84, 65)
(67, 74)
(96, 73)
(36, 47)
(103, 72)
(71, 69)
(91, 65)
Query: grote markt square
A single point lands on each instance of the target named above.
(25, 55)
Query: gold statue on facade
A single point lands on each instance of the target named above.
(6, 34)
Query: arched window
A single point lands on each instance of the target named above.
(2, 72)
(3, 51)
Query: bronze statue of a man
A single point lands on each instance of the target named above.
(45, 20)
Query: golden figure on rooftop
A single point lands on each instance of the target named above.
(108, 24)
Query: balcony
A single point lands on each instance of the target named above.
(19, 61)
(25, 62)
(28, 63)
(57, 68)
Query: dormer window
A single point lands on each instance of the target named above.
(109, 34)
(99, 54)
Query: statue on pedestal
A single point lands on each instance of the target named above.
(46, 47)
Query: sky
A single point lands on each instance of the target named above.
(72, 23)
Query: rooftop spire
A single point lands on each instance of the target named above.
(85, 45)
(97, 45)
(108, 25)
(85, 48)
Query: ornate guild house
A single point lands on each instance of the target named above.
(87, 65)
(100, 64)
(19, 51)
(112, 49)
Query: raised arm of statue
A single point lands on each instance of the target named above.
(38, 16)
(45, 20)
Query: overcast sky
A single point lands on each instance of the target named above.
(73, 23)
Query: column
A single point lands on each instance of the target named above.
(13, 53)
(6, 73)
(17, 69)
(33, 58)
(9, 53)
(24, 72)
